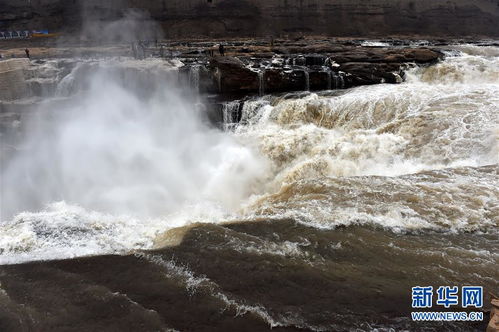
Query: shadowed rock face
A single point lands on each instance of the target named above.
(356, 66)
(190, 18)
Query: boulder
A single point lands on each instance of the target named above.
(277, 80)
(365, 73)
(421, 55)
(320, 80)
(232, 75)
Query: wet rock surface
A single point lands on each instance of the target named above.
(313, 67)
(230, 74)
(252, 66)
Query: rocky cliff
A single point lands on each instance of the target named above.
(192, 18)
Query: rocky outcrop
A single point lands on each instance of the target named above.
(230, 74)
(251, 68)
(222, 18)
(372, 66)
(351, 67)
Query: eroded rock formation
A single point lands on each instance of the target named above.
(346, 67)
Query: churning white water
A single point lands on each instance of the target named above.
(124, 162)
(430, 139)
(122, 165)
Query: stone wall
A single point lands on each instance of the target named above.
(191, 18)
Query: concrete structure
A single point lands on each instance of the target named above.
(190, 18)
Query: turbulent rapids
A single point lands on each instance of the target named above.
(409, 171)
(419, 155)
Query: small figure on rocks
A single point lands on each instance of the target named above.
(221, 49)
(27, 53)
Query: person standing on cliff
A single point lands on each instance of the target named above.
(27, 53)
(221, 49)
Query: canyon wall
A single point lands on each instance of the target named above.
(193, 18)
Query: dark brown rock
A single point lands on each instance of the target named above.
(420, 55)
(365, 54)
(319, 80)
(365, 73)
(358, 65)
(231, 75)
(280, 81)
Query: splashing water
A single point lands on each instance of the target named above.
(443, 120)
(131, 158)
(261, 82)
(125, 160)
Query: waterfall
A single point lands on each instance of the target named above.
(329, 79)
(398, 78)
(194, 77)
(339, 81)
(261, 82)
(342, 81)
(230, 113)
(218, 76)
(65, 86)
(307, 80)
(336, 80)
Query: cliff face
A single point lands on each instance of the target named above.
(189, 18)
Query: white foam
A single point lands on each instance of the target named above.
(373, 43)
(389, 130)
(195, 283)
(128, 163)
(130, 168)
